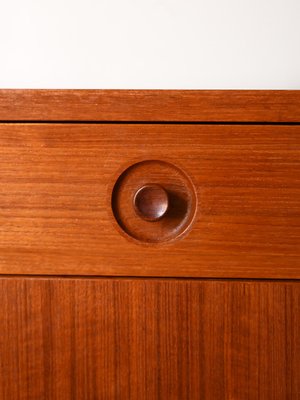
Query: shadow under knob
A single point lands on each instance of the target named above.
(151, 202)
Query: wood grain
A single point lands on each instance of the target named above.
(55, 191)
(151, 105)
(149, 339)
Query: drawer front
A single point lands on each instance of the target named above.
(151, 339)
(190, 200)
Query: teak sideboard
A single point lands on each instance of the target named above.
(149, 245)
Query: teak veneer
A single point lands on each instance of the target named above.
(158, 339)
(149, 245)
(247, 106)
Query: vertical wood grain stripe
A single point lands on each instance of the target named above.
(68, 339)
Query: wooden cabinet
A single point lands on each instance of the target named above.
(149, 245)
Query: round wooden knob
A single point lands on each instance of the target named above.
(151, 202)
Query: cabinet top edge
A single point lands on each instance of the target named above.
(51, 105)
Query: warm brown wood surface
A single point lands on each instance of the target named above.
(151, 105)
(69, 338)
(121, 339)
(55, 211)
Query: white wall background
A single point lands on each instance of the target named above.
(148, 44)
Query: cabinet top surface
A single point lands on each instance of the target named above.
(240, 106)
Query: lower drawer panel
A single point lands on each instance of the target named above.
(76, 338)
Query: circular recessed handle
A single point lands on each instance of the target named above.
(151, 202)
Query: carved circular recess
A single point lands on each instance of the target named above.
(154, 201)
